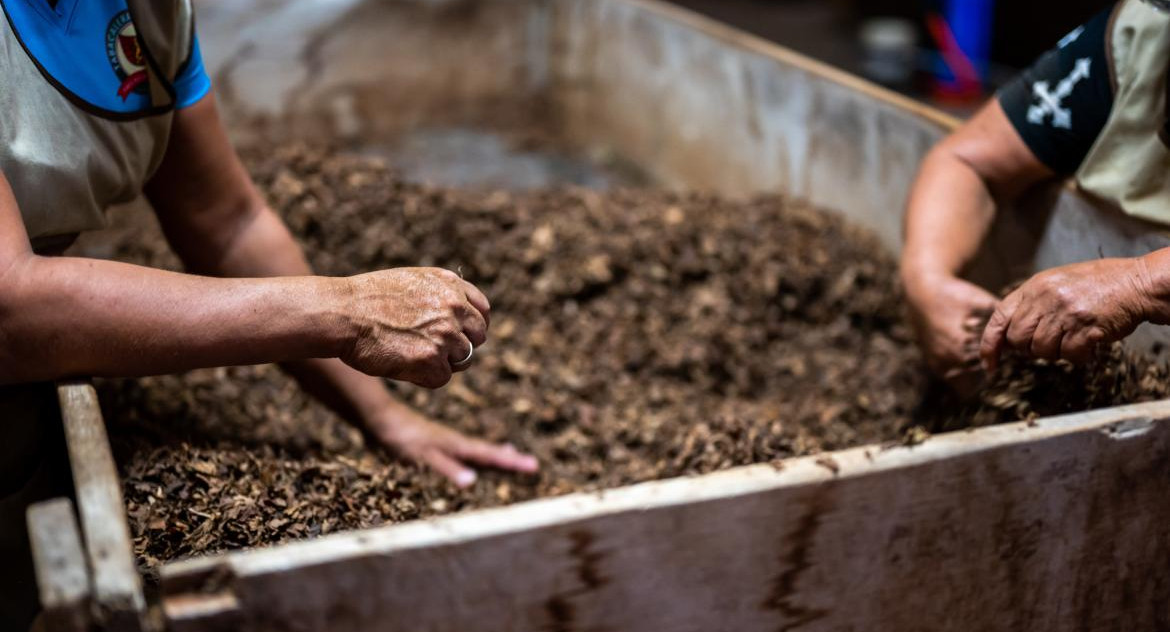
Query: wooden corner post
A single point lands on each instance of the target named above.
(116, 585)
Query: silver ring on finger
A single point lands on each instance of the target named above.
(465, 361)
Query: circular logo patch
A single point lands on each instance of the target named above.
(126, 58)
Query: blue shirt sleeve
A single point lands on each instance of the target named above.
(192, 84)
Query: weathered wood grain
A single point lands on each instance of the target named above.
(62, 573)
(1058, 526)
(117, 586)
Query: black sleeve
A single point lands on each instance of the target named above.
(1060, 105)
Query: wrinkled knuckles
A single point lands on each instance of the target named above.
(1096, 336)
(1082, 311)
(1019, 341)
(1064, 296)
(425, 353)
(454, 304)
(447, 331)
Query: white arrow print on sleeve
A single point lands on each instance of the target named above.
(1051, 102)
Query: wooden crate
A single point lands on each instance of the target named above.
(1057, 524)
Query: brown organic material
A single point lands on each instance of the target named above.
(636, 335)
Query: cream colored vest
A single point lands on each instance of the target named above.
(66, 166)
(1129, 165)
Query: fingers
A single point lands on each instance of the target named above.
(475, 314)
(504, 457)
(1040, 334)
(474, 296)
(1047, 339)
(995, 335)
(433, 374)
(478, 301)
(1079, 347)
(461, 354)
(1022, 329)
(474, 326)
(456, 472)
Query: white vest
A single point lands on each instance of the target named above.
(66, 165)
(1129, 165)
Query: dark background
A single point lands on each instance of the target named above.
(827, 29)
(1023, 29)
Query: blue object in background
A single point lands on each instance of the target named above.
(963, 32)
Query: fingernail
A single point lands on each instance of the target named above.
(466, 478)
(531, 464)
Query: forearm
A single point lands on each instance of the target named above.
(982, 165)
(63, 317)
(264, 247)
(949, 215)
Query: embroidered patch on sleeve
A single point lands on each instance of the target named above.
(1060, 105)
(1049, 103)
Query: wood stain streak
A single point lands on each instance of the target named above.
(559, 608)
(588, 560)
(795, 560)
(561, 613)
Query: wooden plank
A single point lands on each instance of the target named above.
(117, 586)
(1058, 525)
(62, 574)
(203, 612)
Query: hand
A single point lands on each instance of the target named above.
(948, 314)
(449, 452)
(413, 324)
(1064, 313)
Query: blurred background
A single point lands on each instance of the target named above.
(952, 53)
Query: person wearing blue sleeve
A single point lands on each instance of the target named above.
(102, 101)
(1094, 108)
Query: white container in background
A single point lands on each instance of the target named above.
(891, 50)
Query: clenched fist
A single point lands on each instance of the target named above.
(417, 325)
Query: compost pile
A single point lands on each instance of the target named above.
(636, 335)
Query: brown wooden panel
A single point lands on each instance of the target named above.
(1060, 525)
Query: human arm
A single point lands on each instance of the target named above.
(220, 225)
(62, 317)
(982, 165)
(1066, 312)
(1041, 125)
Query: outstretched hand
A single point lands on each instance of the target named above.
(449, 452)
(1064, 313)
